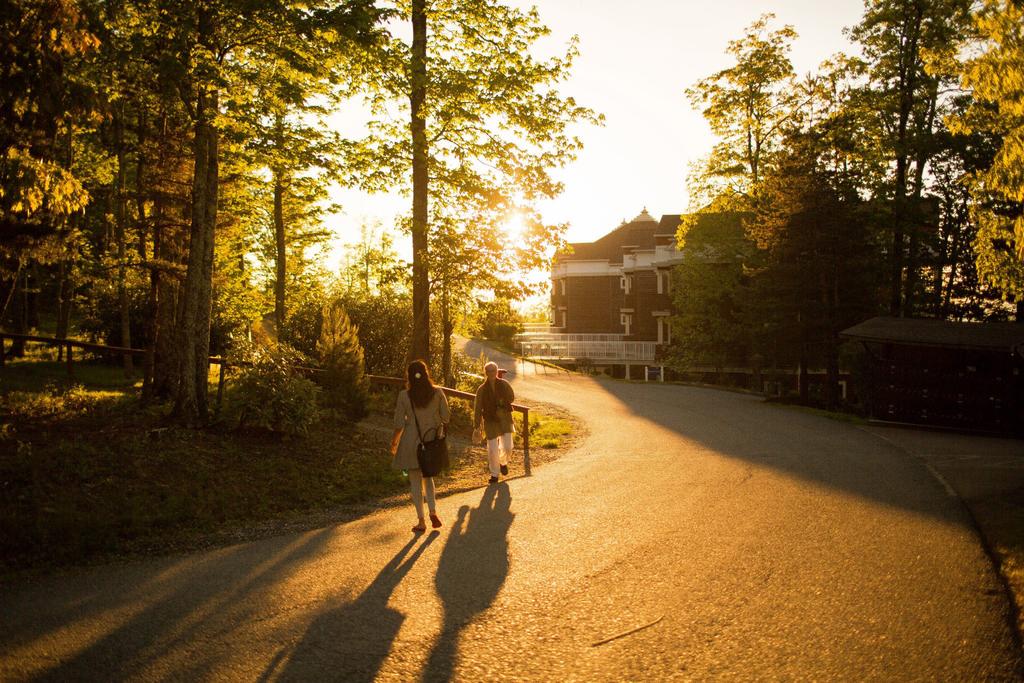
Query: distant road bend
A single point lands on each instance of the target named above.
(722, 538)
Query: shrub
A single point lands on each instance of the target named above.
(271, 392)
(344, 381)
(496, 320)
(385, 330)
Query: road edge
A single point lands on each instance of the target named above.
(1013, 600)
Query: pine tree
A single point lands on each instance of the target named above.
(341, 356)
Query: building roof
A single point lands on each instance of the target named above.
(669, 224)
(1006, 337)
(638, 233)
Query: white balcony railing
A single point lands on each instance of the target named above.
(597, 351)
(534, 337)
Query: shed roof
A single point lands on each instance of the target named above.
(943, 333)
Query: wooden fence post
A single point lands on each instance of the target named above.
(526, 442)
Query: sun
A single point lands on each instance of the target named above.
(514, 226)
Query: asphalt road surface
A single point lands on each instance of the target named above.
(753, 542)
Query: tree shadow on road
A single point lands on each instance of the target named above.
(351, 642)
(830, 453)
(196, 591)
(472, 569)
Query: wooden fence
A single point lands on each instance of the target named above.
(69, 344)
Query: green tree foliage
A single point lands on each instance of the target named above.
(911, 50)
(373, 287)
(341, 356)
(996, 80)
(40, 44)
(496, 320)
(816, 262)
(385, 329)
(857, 176)
(467, 116)
(710, 291)
(746, 106)
(271, 392)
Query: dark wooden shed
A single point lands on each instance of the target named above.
(936, 372)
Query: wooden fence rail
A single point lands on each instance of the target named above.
(69, 344)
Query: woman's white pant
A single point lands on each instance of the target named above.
(416, 486)
(498, 451)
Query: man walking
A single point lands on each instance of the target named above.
(493, 412)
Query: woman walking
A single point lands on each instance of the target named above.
(423, 403)
(493, 410)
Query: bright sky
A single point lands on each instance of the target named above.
(637, 58)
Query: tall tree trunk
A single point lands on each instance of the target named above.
(121, 218)
(909, 65)
(281, 263)
(194, 325)
(916, 213)
(803, 374)
(19, 312)
(11, 292)
(149, 382)
(829, 286)
(447, 328)
(165, 285)
(140, 182)
(954, 267)
(65, 287)
(205, 310)
(165, 292)
(418, 127)
(941, 261)
(32, 297)
(63, 303)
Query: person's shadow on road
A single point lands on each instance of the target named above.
(472, 569)
(350, 643)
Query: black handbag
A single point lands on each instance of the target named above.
(431, 455)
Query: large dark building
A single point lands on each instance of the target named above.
(618, 285)
(610, 299)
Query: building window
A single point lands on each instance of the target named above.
(561, 284)
(625, 283)
(627, 320)
(563, 319)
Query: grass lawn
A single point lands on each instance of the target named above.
(86, 471)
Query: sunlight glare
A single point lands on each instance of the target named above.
(514, 227)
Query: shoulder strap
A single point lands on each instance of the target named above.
(412, 407)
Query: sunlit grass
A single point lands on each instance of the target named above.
(545, 431)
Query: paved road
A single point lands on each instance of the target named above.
(771, 544)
